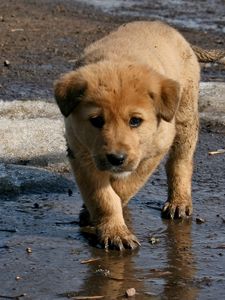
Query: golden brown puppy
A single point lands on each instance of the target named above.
(133, 99)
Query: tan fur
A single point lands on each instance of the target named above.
(143, 70)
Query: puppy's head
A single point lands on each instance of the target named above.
(115, 110)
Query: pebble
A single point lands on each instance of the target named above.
(153, 240)
(130, 292)
(6, 63)
(200, 220)
(29, 250)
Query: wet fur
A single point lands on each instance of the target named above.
(143, 69)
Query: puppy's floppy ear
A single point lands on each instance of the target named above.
(168, 99)
(69, 90)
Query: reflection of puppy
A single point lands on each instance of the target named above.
(134, 98)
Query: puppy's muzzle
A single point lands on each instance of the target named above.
(116, 159)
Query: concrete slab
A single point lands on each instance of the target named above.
(17, 179)
(212, 102)
(31, 132)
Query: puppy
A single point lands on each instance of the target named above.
(133, 99)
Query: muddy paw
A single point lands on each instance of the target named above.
(172, 210)
(116, 237)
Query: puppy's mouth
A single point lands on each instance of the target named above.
(122, 170)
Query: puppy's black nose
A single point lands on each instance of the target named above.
(116, 159)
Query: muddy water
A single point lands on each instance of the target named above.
(187, 260)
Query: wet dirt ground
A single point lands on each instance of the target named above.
(43, 252)
(187, 260)
(41, 39)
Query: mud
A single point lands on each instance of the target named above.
(43, 252)
(41, 39)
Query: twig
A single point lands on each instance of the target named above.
(90, 260)
(219, 151)
(114, 278)
(17, 29)
(87, 297)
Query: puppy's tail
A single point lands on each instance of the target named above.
(206, 56)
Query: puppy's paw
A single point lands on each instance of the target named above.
(114, 236)
(177, 210)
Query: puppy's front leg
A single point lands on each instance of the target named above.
(179, 169)
(105, 208)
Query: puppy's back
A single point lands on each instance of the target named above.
(153, 43)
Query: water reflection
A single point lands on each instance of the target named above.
(115, 272)
(181, 261)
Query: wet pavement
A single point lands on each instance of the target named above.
(44, 255)
(177, 259)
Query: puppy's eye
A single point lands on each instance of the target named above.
(135, 122)
(97, 121)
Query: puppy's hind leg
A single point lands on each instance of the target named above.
(179, 166)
